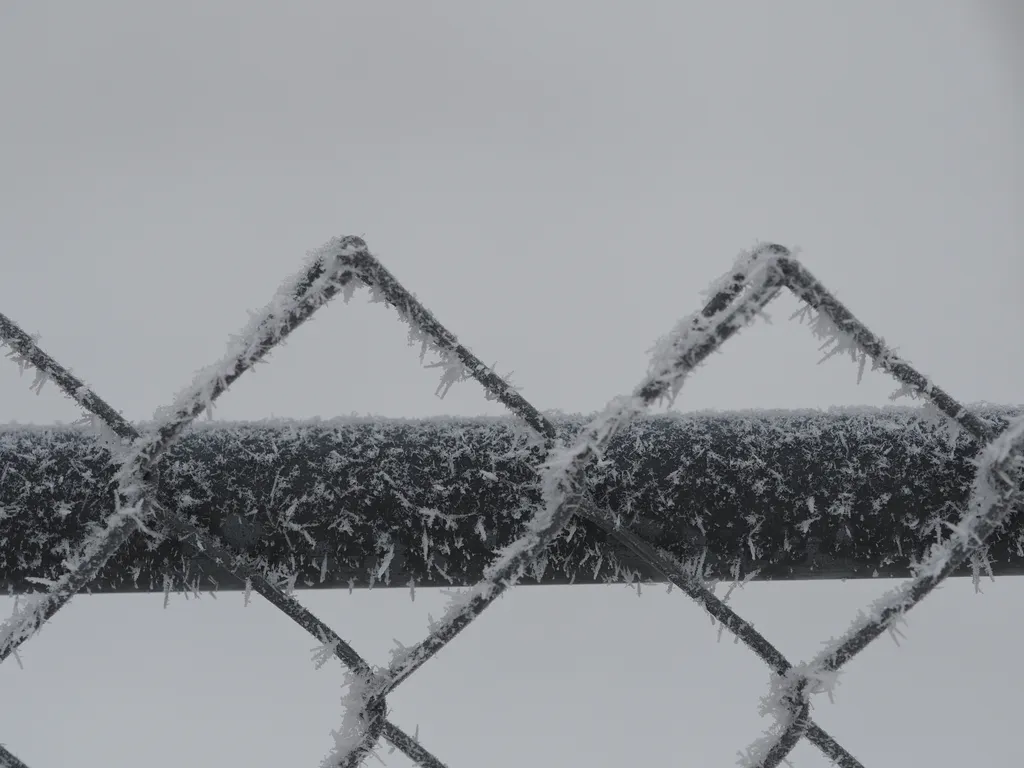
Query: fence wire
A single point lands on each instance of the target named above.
(343, 264)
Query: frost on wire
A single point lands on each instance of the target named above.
(737, 298)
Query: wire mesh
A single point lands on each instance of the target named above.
(756, 278)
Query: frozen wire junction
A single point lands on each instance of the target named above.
(492, 503)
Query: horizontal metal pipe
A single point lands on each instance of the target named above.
(844, 493)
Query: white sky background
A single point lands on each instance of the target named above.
(558, 181)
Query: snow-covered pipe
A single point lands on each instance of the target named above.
(844, 493)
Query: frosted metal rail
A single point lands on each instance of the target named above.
(846, 493)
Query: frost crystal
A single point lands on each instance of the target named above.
(348, 738)
(326, 650)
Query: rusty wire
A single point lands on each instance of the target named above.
(756, 279)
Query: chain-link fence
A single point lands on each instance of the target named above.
(344, 264)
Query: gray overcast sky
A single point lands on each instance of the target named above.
(558, 181)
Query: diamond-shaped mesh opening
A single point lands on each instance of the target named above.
(343, 264)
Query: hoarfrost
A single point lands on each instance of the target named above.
(834, 340)
(672, 359)
(354, 726)
(27, 619)
(326, 650)
(39, 381)
(249, 346)
(456, 363)
(559, 477)
(453, 371)
(18, 358)
(889, 609)
(933, 416)
(105, 436)
(751, 274)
